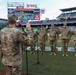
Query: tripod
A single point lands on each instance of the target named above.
(26, 62)
(38, 62)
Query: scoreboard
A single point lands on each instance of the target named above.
(30, 12)
(25, 14)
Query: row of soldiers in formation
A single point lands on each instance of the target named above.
(41, 37)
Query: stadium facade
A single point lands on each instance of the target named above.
(68, 16)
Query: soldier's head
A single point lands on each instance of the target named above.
(46, 26)
(12, 20)
(42, 28)
(28, 26)
(52, 26)
(64, 26)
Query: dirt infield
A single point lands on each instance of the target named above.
(3, 73)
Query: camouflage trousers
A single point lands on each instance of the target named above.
(32, 47)
(42, 47)
(75, 46)
(53, 44)
(65, 46)
(13, 70)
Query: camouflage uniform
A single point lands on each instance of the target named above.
(42, 39)
(11, 40)
(31, 40)
(65, 40)
(74, 33)
(53, 39)
(23, 45)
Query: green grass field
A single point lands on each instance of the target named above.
(49, 65)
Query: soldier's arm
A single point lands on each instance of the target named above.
(22, 39)
(46, 36)
(72, 33)
(57, 33)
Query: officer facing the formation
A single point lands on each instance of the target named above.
(30, 35)
(53, 39)
(65, 37)
(42, 39)
(11, 53)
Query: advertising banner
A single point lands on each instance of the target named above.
(15, 4)
(36, 11)
(31, 5)
(36, 16)
(11, 11)
(42, 11)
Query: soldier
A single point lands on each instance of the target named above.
(23, 45)
(74, 33)
(42, 39)
(11, 53)
(65, 39)
(30, 35)
(53, 39)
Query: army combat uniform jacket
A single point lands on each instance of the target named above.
(10, 40)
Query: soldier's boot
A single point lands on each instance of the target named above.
(42, 53)
(51, 53)
(66, 54)
(32, 52)
(75, 54)
(63, 54)
(54, 54)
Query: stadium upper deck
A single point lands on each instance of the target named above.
(68, 16)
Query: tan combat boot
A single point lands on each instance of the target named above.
(66, 54)
(63, 55)
(54, 54)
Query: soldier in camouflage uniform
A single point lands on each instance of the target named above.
(65, 40)
(74, 33)
(30, 34)
(23, 45)
(11, 53)
(42, 39)
(53, 39)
